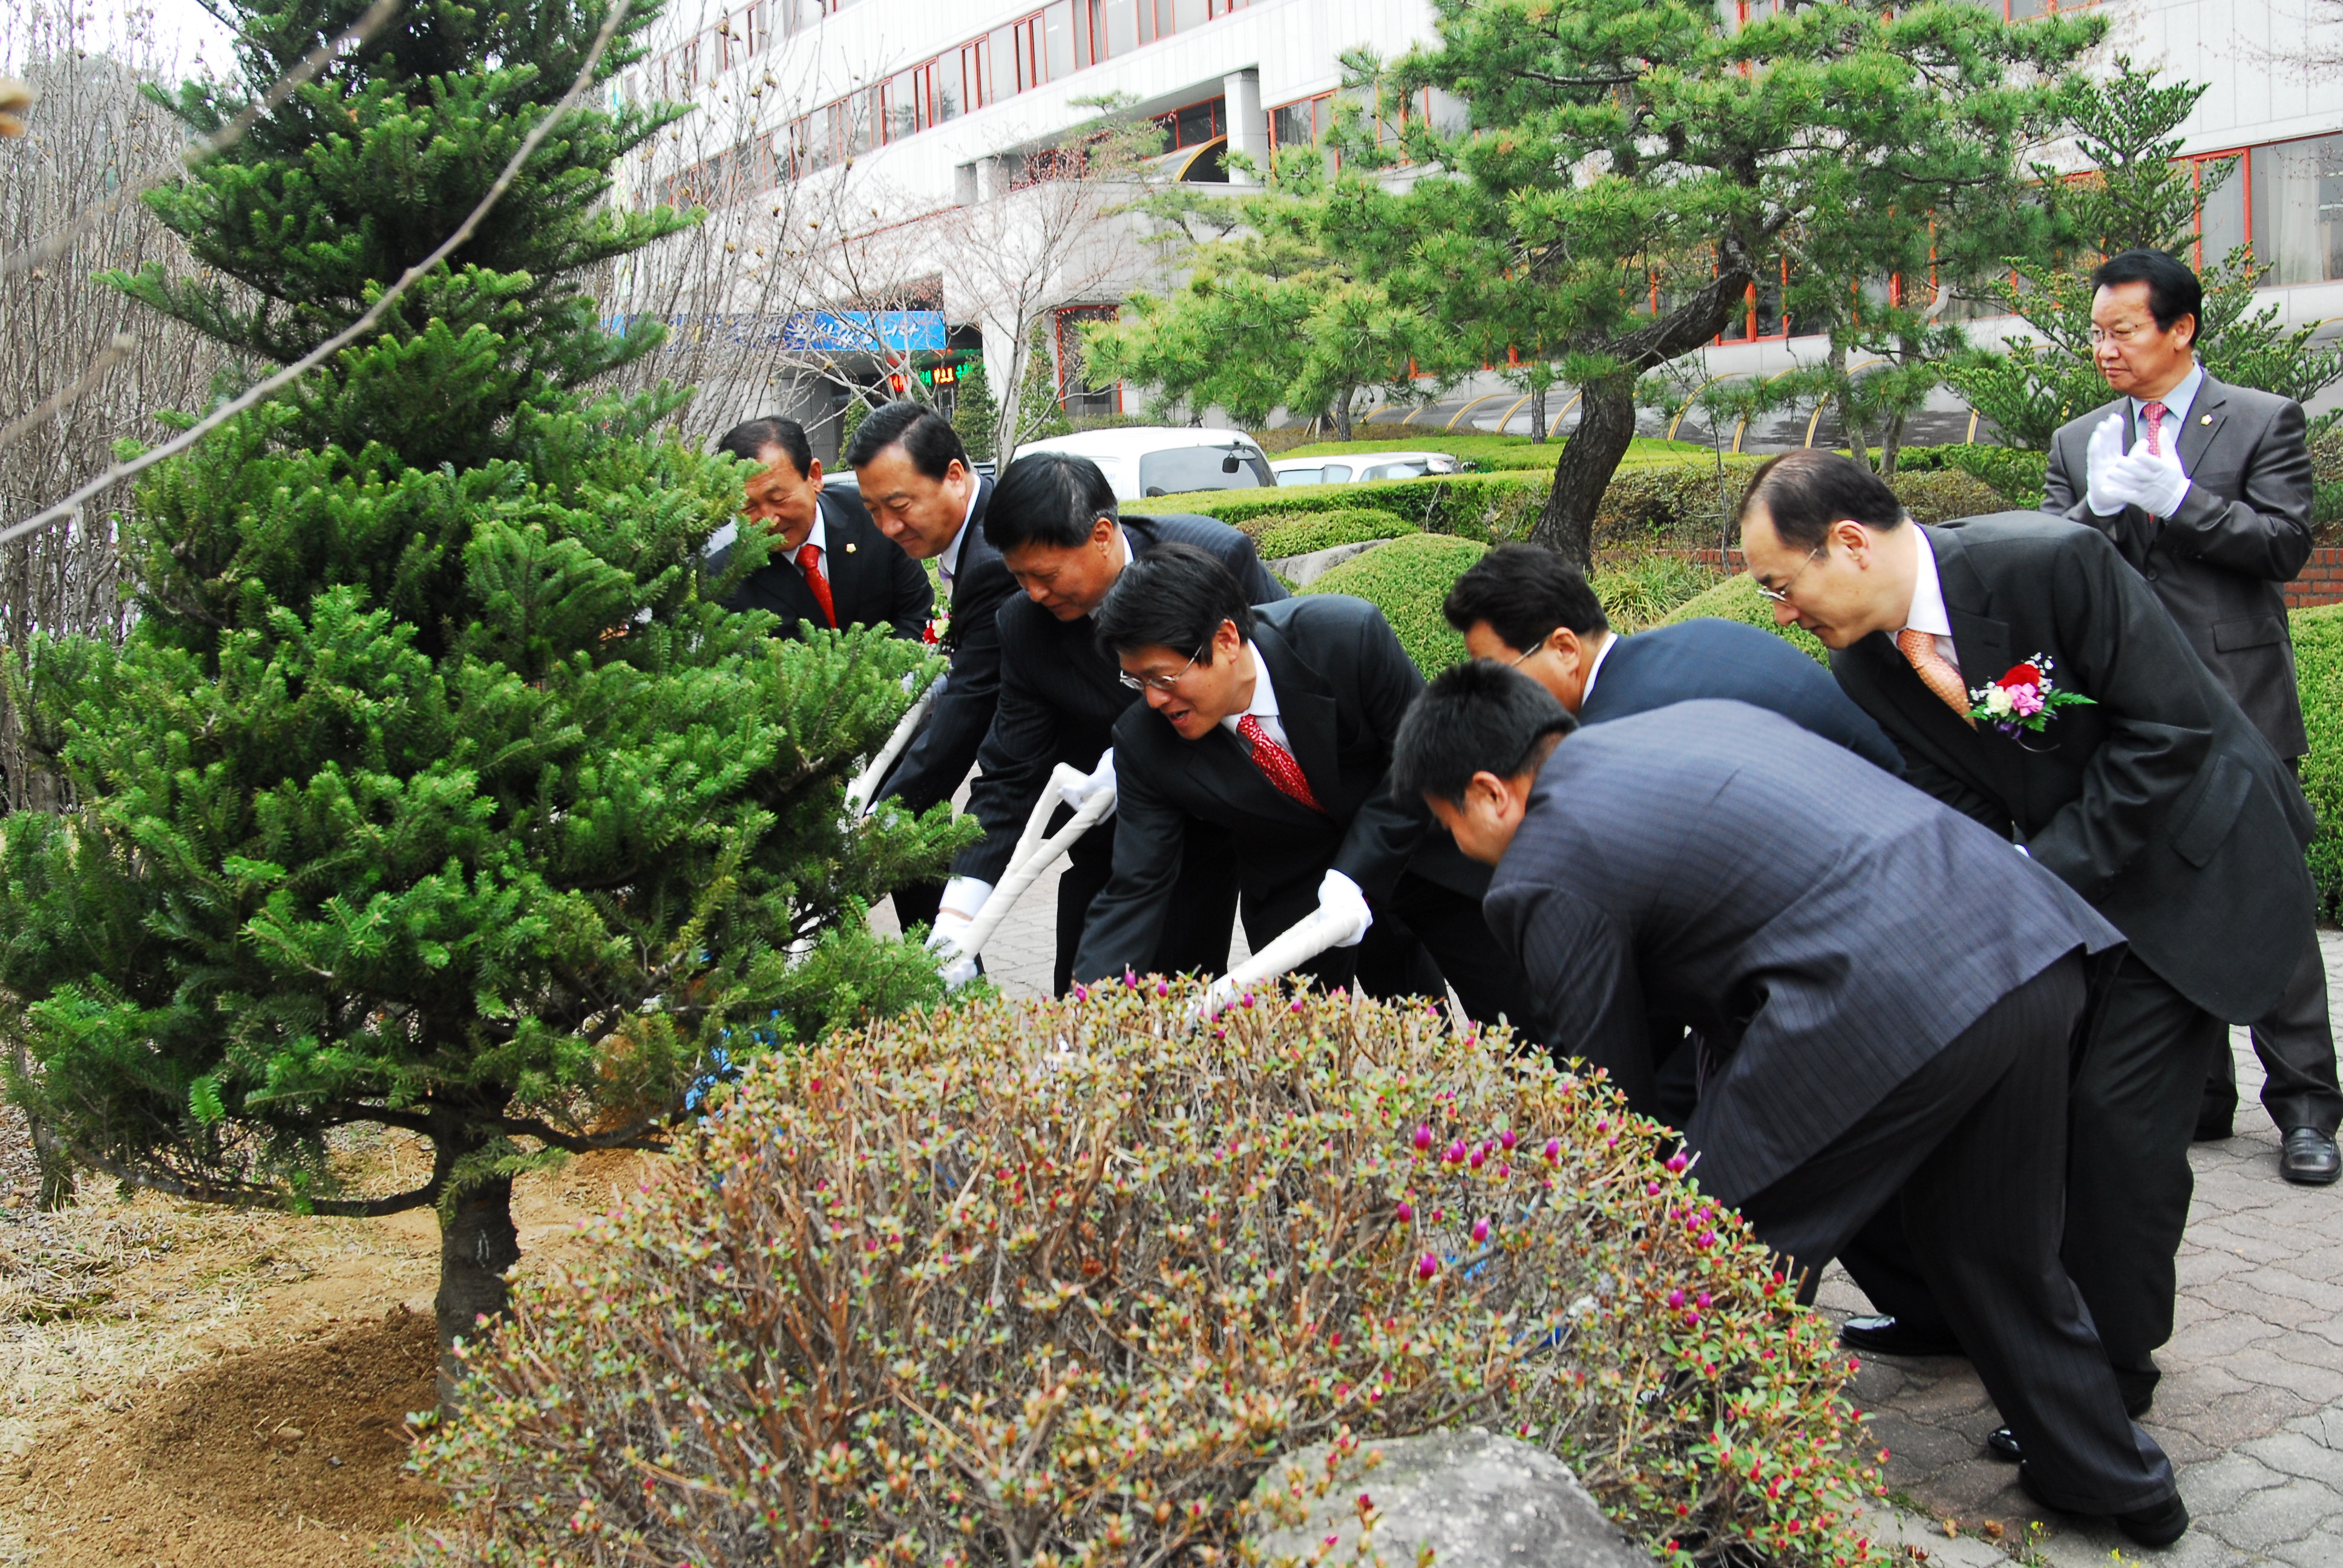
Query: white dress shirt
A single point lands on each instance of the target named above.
(818, 538)
(948, 560)
(1610, 641)
(1264, 704)
(1927, 612)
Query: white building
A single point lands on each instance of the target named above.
(936, 101)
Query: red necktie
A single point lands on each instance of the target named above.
(1277, 764)
(2154, 413)
(810, 563)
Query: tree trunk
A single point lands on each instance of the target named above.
(1538, 416)
(1850, 426)
(1606, 423)
(1891, 442)
(478, 1244)
(1342, 415)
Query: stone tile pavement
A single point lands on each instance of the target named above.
(2250, 1408)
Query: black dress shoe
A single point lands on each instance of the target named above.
(2002, 1443)
(2158, 1526)
(2309, 1158)
(2213, 1130)
(1887, 1337)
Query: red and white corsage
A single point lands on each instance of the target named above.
(2023, 699)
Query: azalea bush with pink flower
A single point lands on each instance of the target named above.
(1055, 1283)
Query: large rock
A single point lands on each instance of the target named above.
(1474, 1499)
(1304, 570)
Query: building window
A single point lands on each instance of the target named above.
(1080, 398)
(2224, 184)
(1195, 124)
(1301, 123)
(2296, 212)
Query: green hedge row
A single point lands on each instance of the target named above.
(1648, 506)
(1278, 535)
(1408, 579)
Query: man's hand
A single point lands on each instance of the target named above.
(2153, 481)
(2102, 456)
(1101, 778)
(963, 900)
(1339, 896)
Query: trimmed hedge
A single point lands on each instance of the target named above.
(1408, 579)
(1737, 599)
(1676, 505)
(1300, 535)
(2012, 473)
(2318, 674)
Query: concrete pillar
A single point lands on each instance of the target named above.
(1247, 125)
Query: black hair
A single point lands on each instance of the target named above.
(1048, 498)
(1176, 596)
(749, 440)
(1475, 717)
(2172, 290)
(926, 437)
(1524, 592)
(1805, 491)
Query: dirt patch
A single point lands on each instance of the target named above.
(157, 1357)
(291, 1455)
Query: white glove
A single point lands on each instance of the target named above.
(1101, 778)
(1338, 896)
(963, 900)
(2105, 452)
(2156, 480)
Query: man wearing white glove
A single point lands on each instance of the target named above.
(963, 900)
(2205, 488)
(1273, 724)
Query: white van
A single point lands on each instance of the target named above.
(1143, 460)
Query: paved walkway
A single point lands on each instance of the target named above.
(2250, 1407)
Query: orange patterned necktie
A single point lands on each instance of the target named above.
(1919, 647)
(810, 563)
(2154, 413)
(1277, 764)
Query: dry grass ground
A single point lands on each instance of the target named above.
(203, 1388)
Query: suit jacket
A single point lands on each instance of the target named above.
(2161, 802)
(2220, 563)
(1724, 658)
(871, 581)
(1343, 683)
(1060, 694)
(942, 753)
(1828, 928)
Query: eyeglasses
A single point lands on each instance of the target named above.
(2123, 334)
(1782, 594)
(1162, 682)
(1535, 649)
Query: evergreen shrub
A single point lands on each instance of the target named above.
(2318, 674)
(1055, 1281)
(2327, 476)
(2015, 474)
(1491, 507)
(1737, 599)
(1323, 530)
(1644, 590)
(1408, 579)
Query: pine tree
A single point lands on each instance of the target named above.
(974, 413)
(432, 790)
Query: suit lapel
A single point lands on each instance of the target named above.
(1306, 709)
(2196, 436)
(1983, 642)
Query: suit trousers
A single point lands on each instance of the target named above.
(1425, 938)
(2295, 1043)
(1196, 927)
(1976, 1143)
(2134, 1104)
(916, 904)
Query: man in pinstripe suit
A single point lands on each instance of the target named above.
(1893, 988)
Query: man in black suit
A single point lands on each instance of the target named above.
(926, 495)
(829, 567)
(2205, 489)
(1894, 986)
(1522, 606)
(1275, 726)
(1054, 520)
(2154, 798)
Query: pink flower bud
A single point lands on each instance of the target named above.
(1455, 1155)
(1162, 988)
(1480, 1157)
(1422, 1136)
(1480, 1232)
(1082, 993)
(1426, 1266)
(1554, 1150)
(1677, 1161)
(1246, 1000)
(1404, 1213)
(1651, 1189)
(1701, 1300)
(1506, 1140)
(1675, 1300)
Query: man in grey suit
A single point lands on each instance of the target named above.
(1895, 990)
(2206, 490)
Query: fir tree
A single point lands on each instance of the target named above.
(974, 413)
(432, 790)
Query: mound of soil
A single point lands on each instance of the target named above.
(292, 1454)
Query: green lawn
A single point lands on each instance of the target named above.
(1489, 451)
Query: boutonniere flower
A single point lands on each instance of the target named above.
(938, 627)
(2023, 699)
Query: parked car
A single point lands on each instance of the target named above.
(1143, 460)
(1365, 466)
